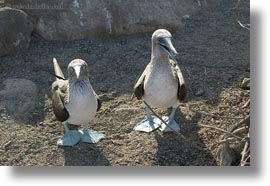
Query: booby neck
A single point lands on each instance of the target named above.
(79, 87)
(76, 82)
(157, 55)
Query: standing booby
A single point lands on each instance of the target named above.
(75, 103)
(161, 84)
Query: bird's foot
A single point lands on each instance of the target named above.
(171, 122)
(148, 125)
(70, 138)
(90, 136)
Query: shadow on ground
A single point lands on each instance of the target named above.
(84, 155)
(185, 150)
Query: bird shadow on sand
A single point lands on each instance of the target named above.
(186, 149)
(84, 154)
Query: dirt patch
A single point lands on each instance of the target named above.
(214, 56)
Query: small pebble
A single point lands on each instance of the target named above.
(199, 92)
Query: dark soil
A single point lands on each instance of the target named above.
(214, 56)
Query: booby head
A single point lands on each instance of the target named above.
(78, 70)
(162, 44)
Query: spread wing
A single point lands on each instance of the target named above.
(59, 93)
(59, 97)
(138, 89)
(182, 90)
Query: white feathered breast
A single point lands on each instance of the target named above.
(160, 86)
(82, 103)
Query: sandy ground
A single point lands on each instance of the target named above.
(214, 56)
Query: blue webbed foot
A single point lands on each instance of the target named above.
(90, 136)
(171, 122)
(70, 138)
(148, 125)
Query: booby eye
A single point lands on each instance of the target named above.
(160, 40)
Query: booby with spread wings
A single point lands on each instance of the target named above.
(161, 84)
(75, 103)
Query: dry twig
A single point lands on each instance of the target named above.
(213, 115)
(220, 129)
(246, 104)
(161, 119)
(229, 139)
(245, 120)
(246, 26)
(245, 153)
(237, 4)
(239, 130)
(1, 130)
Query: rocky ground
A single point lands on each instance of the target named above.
(214, 56)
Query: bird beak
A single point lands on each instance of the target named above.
(168, 48)
(77, 71)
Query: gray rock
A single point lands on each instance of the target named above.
(227, 155)
(199, 92)
(81, 19)
(19, 97)
(15, 31)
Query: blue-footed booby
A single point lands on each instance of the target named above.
(75, 103)
(161, 85)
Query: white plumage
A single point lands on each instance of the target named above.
(160, 86)
(82, 103)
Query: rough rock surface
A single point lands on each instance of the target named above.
(81, 19)
(19, 98)
(15, 31)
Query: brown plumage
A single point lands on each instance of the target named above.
(58, 94)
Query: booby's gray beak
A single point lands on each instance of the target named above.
(166, 45)
(77, 71)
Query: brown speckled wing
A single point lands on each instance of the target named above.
(139, 86)
(182, 89)
(59, 98)
(98, 101)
